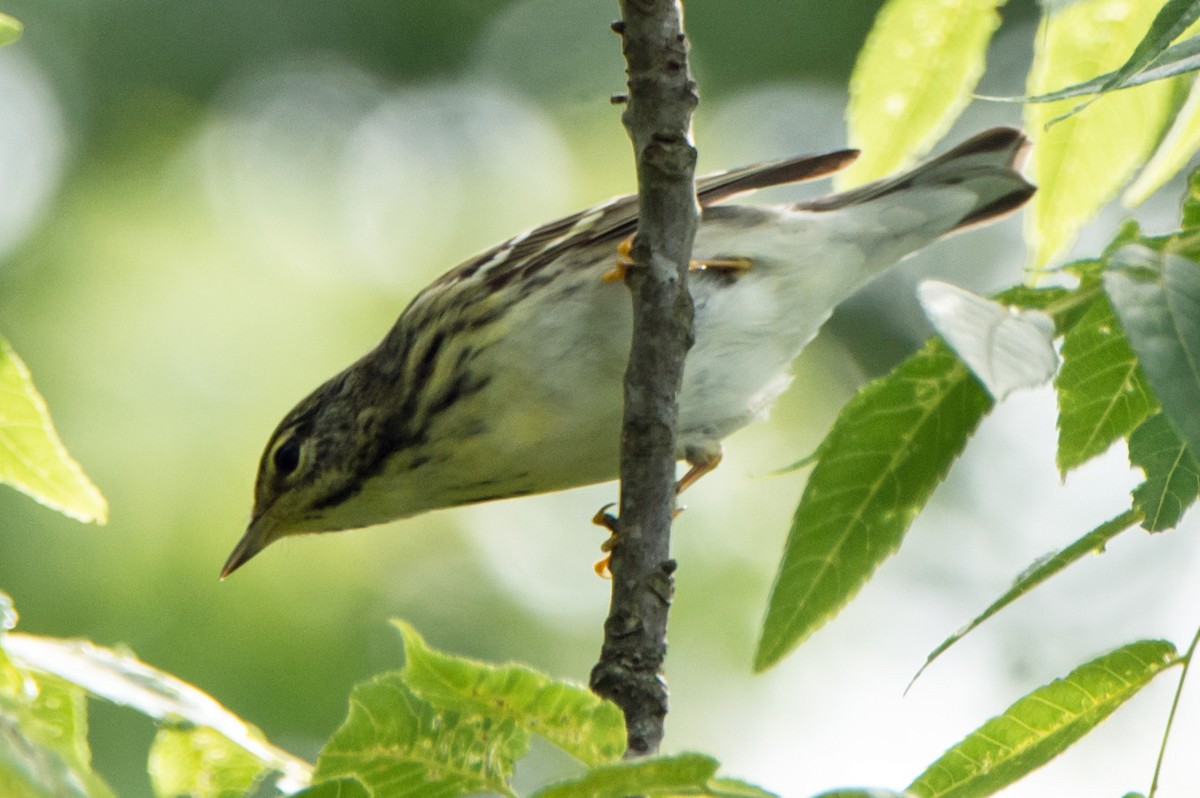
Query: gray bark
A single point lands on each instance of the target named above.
(657, 117)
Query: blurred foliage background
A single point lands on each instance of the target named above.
(208, 208)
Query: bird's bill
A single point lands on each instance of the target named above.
(254, 541)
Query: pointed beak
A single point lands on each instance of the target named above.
(254, 541)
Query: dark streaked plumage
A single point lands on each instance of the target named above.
(503, 377)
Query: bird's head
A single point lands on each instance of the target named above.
(315, 470)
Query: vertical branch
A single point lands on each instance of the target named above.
(662, 96)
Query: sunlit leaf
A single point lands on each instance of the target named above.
(1080, 162)
(1173, 153)
(889, 448)
(32, 458)
(1189, 211)
(914, 75)
(1172, 475)
(1102, 395)
(568, 715)
(124, 679)
(682, 774)
(1169, 24)
(400, 746)
(43, 737)
(340, 788)
(10, 29)
(1006, 348)
(201, 763)
(863, 792)
(1043, 569)
(733, 788)
(1043, 724)
(1157, 297)
(1178, 59)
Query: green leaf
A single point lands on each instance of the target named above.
(43, 737)
(1189, 210)
(1080, 162)
(10, 29)
(201, 763)
(1174, 152)
(124, 679)
(568, 715)
(32, 458)
(1178, 59)
(398, 745)
(1043, 724)
(889, 448)
(914, 76)
(864, 792)
(1043, 569)
(1102, 395)
(733, 788)
(682, 774)
(1172, 476)
(1169, 24)
(342, 788)
(1157, 297)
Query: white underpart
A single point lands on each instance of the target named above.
(558, 366)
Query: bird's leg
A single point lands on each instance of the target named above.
(617, 273)
(700, 459)
(610, 522)
(624, 261)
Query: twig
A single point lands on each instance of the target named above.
(658, 119)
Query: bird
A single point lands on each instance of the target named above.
(503, 377)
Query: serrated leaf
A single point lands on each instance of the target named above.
(568, 715)
(124, 679)
(1040, 571)
(1043, 724)
(913, 77)
(1173, 153)
(398, 745)
(1169, 24)
(341, 788)
(10, 29)
(1172, 475)
(682, 774)
(32, 458)
(1156, 295)
(201, 763)
(1081, 161)
(889, 448)
(1178, 59)
(1102, 394)
(1007, 348)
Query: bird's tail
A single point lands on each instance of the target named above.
(987, 164)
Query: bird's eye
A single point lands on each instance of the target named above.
(287, 457)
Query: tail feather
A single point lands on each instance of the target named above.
(987, 163)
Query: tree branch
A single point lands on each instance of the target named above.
(662, 96)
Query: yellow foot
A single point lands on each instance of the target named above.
(625, 262)
(609, 521)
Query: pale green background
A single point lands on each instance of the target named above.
(206, 208)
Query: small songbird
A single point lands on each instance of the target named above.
(504, 376)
